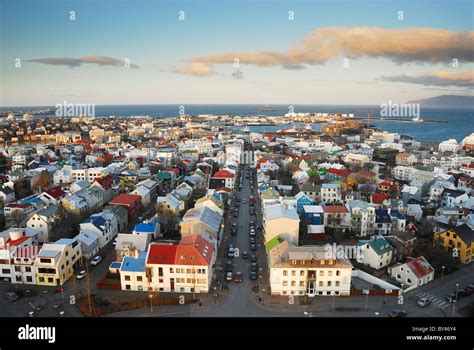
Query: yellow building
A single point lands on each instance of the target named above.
(460, 239)
(128, 179)
(56, 262)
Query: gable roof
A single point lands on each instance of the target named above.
(55, 192)
(224, 174)
(420, 266)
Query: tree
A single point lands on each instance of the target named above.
(42, 182)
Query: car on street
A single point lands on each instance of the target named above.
(423, 302)
(253, 258)
(252, 223)
(233, 231)
(252, 211)
(229, 276)
(238, 277)
(245, 254)
(253, 275)
(81, 274)
(451, 298)
(244, 201)
(228, 266)
(96, 260)
(253, 247)
(252, 232)
(470, 288)
(397, 313)
(252, 239)
(230, 252)
(38, 307)
(464, 293)
(236, 214)
(253, 266)
(12, 296)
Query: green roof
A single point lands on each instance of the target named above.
(311, 188)
(163, 175)
(274, 242)
(379, 245)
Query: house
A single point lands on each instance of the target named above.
(383, 222)
(201, 220)
(121, 216)
(79, 186)
(213, 202)
(398, 220)
(105, 183)
(316, 232)
(185, 267)
(283, 221)
(415, 211)
(410, 192)
(303, 200)
(413, 273)
(312, 191)
(313, 214)
(130, 202)
(453, 198)
(362, 218)
(18, 244)
(89, 244)
(145, 195)
(133, 274)
(337, 216)
(53, 195)
(42, 221)
(148, 228)
(75, 205)
(460, 240)
(222, 178)
(103, 225)
(57, 262)
(376, 253)
(330, 193)
(7, 195)
(170, 204)
(17, 214)
(131, 245)
(307, 270)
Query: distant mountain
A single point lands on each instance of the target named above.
(446, 101)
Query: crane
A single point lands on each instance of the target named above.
(368, 115)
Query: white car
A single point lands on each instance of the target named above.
(81, 274)
(114, 243)
(96, 260)
(252, 232)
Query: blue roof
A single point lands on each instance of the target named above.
(147, 227)
(115, 265)
(381, 216)
(31, 200)
(130, 264)
(397, 214)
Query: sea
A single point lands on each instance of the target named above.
(460, 120)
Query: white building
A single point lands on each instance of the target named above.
(376, 253)
(413, 273)
(330, 193)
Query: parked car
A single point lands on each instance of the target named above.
(81, 274)
(464, 293)
(228, 276)
(470, 288)
(244, 201)
(253, 266)
(451, 298)
(12, 296)
(253, 247)
(253, 258)
(245, 254)
(252, 240)
(238, 277)
(230, 252)
(252, 232)
(397, 313)
(228, 266)
(253, 275)
(96, 260)
(423, 302)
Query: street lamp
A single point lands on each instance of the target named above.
(456, 298)
(263, 298)
(442, 272)
(376, 314)
(151, 303)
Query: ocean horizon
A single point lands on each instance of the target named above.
(460, 120)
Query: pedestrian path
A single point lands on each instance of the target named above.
(439, 303)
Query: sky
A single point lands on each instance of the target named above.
(186, 52)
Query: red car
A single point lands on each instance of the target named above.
(238, 277)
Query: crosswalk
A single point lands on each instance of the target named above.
(439, 303)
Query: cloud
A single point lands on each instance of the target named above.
(437, 78)
(74, 62)
(237, 74)
(197, 69)
(293, 66)
(425, 45)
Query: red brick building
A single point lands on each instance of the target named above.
(130, 202)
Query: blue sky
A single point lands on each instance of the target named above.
(150, 34)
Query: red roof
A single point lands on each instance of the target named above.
(125, 199)
(56, 192)
(19, 205)
(105, 181)
(16, 242)
(378, 198)
(173, 170)
(334, 209)
(224, 174)
(340, 172)
(223, 189)
(161, 254)
(420, 266)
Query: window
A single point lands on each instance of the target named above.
(285, 273)
(302, 273)
(329, 283)
(293, 283)
(338, 272)
(127, 278)
(139, 278)
(285, 283)
(329, 273)
(293, 273)
(321, 273)
(301, 283)
(338, 283)
(320, 283)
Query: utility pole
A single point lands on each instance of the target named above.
(88, 286)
